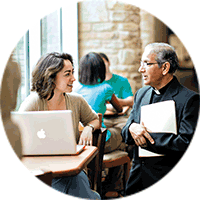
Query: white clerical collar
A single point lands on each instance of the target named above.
(156, 91)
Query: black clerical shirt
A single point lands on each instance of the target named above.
(158, 94)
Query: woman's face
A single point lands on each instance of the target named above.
(65, 78)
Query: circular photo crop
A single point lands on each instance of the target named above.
(108, 77)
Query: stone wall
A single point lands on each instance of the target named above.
(187, 73)
(152, 29)
(147, 28)
(113, 28)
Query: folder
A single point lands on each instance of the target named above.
(158, 117)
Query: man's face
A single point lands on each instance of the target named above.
(151, 74)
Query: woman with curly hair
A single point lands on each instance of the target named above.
(52, 83)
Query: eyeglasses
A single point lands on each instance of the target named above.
(145, 64)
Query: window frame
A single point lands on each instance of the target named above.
(68, 14)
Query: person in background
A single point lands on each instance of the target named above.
(97, 92)
(119, 83)
(9, 88)
(122, 90)
(158, 64)
(52, 83)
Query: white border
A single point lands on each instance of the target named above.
(182, 17)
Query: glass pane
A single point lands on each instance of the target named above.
(19, 57)
(50, 33)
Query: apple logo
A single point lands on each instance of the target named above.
(41, 134)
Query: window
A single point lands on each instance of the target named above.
(55, 32)
(51, 33)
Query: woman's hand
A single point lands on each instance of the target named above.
(86, 136)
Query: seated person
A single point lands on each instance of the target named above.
(96, 92)
(52, 83)
(10, 84)
(122, 90)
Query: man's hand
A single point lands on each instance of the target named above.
(140, 134)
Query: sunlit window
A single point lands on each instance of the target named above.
(50, 34)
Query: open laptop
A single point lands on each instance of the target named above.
(47, 132)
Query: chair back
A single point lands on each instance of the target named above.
(95, 166)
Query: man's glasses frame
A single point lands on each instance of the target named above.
(146, 64)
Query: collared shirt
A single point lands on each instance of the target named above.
(158, 94)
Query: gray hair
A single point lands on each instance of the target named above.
(164, 53)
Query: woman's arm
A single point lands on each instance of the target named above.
(95, 124)
(90, 121)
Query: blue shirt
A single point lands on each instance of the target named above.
(96, 96)
(121, 86)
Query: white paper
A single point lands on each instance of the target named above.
(158, 117)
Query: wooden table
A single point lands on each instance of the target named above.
(61, 165)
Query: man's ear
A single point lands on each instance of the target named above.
(166, 67)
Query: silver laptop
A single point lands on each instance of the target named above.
(47, 132)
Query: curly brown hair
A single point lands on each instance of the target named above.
(43, 76)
